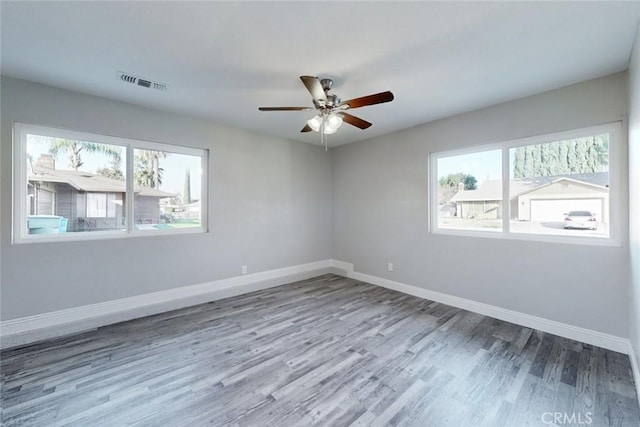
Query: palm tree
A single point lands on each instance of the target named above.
(148, 171)
(75, 147)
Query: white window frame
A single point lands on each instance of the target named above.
(20, 177)
(616, 171)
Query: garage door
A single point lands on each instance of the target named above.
(554, 210)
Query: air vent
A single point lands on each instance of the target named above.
(138, 81)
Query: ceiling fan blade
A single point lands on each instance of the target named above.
(355, 121)
(285, 108)
(314, 87)
(306, 128)
(363, 101)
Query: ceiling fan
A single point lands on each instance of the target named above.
(331, 110)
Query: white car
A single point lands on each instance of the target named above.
(584, 220)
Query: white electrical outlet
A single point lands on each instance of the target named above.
(244, 269)
(390, 266)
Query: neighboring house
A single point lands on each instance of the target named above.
(192, 210)
(89, 201)
(545, 198)
(179, 210)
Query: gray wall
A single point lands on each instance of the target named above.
(634, 195)
(270, 207)
(272, 201)
(380, 215)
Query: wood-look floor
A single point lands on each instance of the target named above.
(328, 351)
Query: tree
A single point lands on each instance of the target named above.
(114, 170)
(148, 172)
(74, 149)
(574, 156)
(529, 168)
(470, 182)
(518, 162)
(448, 185)
(551, 158)
(601, 147)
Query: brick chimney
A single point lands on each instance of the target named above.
(46, 161)
(461, 186)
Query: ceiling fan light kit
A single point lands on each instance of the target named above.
(331, 110)
(328, 123)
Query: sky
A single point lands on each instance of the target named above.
(482, 165)
(172, 178)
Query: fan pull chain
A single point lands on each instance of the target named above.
(323, 136)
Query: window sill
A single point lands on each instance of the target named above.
(102, 235)
(553, 239)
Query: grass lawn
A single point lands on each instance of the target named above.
(184, 224)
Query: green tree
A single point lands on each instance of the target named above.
(470, 182)
(148, 172)
(451, 180)
(550, 158)
(601, 147)
(75, 148)
(582, 160)
(574, 156)
(529, 168)
(518, 162)
(114, 171)
(592, 153)
(448, 185)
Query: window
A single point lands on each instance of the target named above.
(97, 205)
(170, 183)
(559, 187)
(71, 185)
(102, 205)
(462, 204)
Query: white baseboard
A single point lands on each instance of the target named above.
(635, 368)
(30, 329)
(599, 339)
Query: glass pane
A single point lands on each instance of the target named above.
(97, 205)
(73, 185)
(470, 191)
(168, 191)
(561, 188)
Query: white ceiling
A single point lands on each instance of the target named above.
(222, 60)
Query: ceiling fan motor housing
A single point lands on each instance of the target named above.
(331, 100)
(326, 84)
(331, 109)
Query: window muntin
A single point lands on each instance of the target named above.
(535, 182)
(71, 185)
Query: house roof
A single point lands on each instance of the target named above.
(489, 190)
(89, 182)
(492, 189)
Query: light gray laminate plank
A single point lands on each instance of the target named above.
(327, 351)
